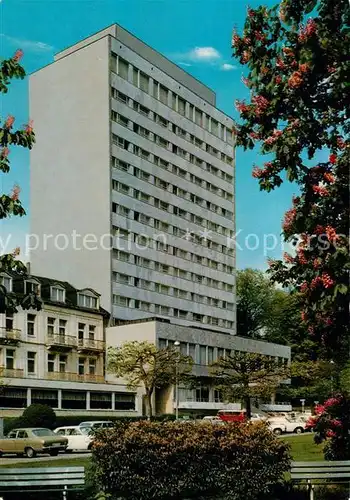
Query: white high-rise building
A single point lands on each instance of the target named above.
(130, 145)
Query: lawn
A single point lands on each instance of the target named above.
(303, 448)
(63, 462)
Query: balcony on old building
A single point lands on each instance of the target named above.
(75, 377)
(90, 345)
(9, 336)
(59, 342)
(11, 372)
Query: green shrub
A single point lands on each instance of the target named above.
(37, 416)
(147, 460)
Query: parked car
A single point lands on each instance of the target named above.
(232, 415)
(79, 438)
(97, 424)
(215, 420)
(30, 441)
(277, 427)
(295, 426)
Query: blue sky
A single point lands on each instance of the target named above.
(176, 29)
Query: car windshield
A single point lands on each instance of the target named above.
(43, 432)
(85, 430)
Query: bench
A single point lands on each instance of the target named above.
(41, 479)
(320, 472)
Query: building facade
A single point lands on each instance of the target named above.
(56, 355)
(205, 347)
(143, 181)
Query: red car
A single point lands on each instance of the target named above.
(232, 415)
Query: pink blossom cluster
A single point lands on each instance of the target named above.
(289, 219)
(261, 104)
(242, 107)
(4, 152)
(301, 257)
(9, 121)
(307, 31)
(328, 177)
(321, 190)
(331, 233)
(15, 192)
(273, 138)
(18, 55)
(288, 258)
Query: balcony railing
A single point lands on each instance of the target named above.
(11, 372)
(9, 335)
(91, 345)
(75, 377)
(59, 340)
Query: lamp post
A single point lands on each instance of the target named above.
(177, 345)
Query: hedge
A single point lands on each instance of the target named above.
(150, 460)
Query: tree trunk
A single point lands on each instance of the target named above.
(148, 400)
(248, 407)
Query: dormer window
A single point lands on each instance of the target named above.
(6, 281)
(32, 287)
(88, 301)
(58, 294)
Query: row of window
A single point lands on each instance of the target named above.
(121, 300)
(54, 326)
(143, 242)
(17, 397)
(55, 363)
(176, 231)
(57, 294)
(150, 86)
(204, 354)
(167, 186)
(146, 155)
(161, 141)
(164, 122)
(173, 292)
(170, 270)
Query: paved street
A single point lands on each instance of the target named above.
(41, 458)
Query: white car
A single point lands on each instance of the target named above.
(78, 438)
(295, 426)
(93, 425)
(214, 420)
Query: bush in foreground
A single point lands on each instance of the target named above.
(145, 460)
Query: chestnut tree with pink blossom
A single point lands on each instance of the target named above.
(331, 424)
(297, 59)
(10, 204)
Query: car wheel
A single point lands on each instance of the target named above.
(89, 447)
(277, 432)
(299, 430)
(54, 453)
(29, 453)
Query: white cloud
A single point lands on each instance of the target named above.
(228, 67)
(30, 45)
(204, 54)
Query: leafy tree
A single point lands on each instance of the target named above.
(254, 298)
(10, 204)
(244, 375)
(297, 56)
(311, 380)
(142, 363)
